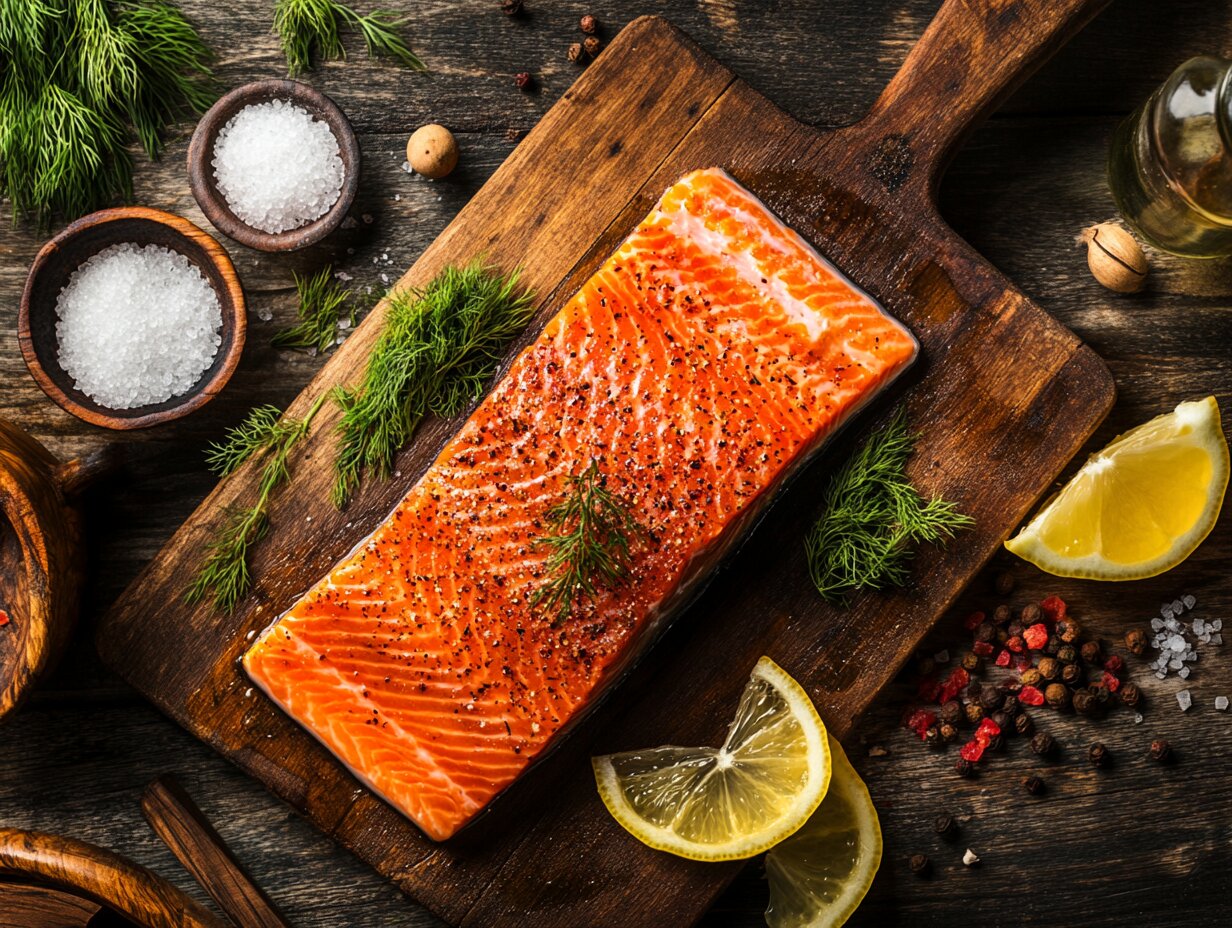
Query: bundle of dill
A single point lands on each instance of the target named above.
(873, 516)
(321, 302)
(439, 347)
(313, 28)
(78, 80)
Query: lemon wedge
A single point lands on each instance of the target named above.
(734, 801)
(820, 874)
(1140, 506)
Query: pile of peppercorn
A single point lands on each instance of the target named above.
(1046, 661)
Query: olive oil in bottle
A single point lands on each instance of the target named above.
(1170, 167)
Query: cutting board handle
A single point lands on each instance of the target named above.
(972, 56)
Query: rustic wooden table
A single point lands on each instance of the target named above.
(1138, 843)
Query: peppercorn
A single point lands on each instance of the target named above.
(1102, 694)
(1130, 695)
(1043, 744)
(592, 45)
(1066, 654)
(1001, 719)
(932, 736)
(1015, 629)
(1053, 646)
(575, 52)
(511, 7)
(1031, 613)
(1161, 751)
(1002, 636)
(523, 80)
(964, 768)
(925, 664)
(1004, 584)
(972, 662)
(1135, 640)
(1009, 705)
(990, 697)
(1071, 674)
(1099, 755)
(996, 742)
(1057, 695)
(1023, 724)
(951, 711)
(974, 712)
(1002, 614)
(1048, 668)
(588, 24)
(949, 733)
(919, 864)
(985, 631)
(1031, 677)
(1033, 785)
(945, 826)
(973, 689)
(1092, 653)
(1085, 702)
(1068, 631)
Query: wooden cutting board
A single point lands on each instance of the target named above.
(1003, 397)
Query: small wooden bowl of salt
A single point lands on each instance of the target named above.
(131, 317)
(274, 165)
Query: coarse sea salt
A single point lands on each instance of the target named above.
(277, 167)
(137, 324)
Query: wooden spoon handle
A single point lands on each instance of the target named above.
(973, 54)
(183, 827)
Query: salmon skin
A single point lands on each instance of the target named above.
(699, 366)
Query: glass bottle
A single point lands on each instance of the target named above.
(1170, 167)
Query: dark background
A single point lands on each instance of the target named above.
(1136, 844)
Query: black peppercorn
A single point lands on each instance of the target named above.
(990, 697)
(1099, 755)
(945, 826)
(1068, 631)
(523, 80)
(575, 52)
(974, 712)
(1101, 694)
(1001, 720)
(1009, 705)
(973, 689)
(1043, 744)
(1161, 751)
(985, 631)
(1057, 695)
(1135, 640)
(1084, 702)
(1066, 654)
(1130, 695)
(1033, 785)
(949, 733)
(1004, 584)
(996, 742)
(1071, 674)
(952, 712)
(932, 736)
(1049, 668)
(1092, 653)
(963, 767)
(972, 662)
(1015, 629)
(1023, 724)
(1002, 614)
(1031, 614)
(1053, 645)
(919, 864)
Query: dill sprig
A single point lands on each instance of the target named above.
(873, 516)
(321, 300)
(225, 576)
(589, 544)
(440, 346)
(313, 28)
(79, 79)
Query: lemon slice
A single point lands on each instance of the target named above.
(820, 874)
(1140, 506)
(734, 801)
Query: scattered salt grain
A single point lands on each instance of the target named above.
(1137, 718)
(406, 166)
(1183, 673)
(1216, 625)
(1184, 700)
(137, 325)
(265, 315)
(277, 167)
(1157, 624)
(1221, 703)
(1189, 600)
(970, 858)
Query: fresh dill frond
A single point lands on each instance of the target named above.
(873, 517)
(440, 346)
(321, 300)
(589, 544)
(311, 29)
(79, 79)
(225, 577)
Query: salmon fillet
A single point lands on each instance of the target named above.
(698, 367)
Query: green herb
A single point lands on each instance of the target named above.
(321, 300)
(873, 516)
(224, 576)
(78, 80)
(312, 28)
(591, 530)
(439, 347)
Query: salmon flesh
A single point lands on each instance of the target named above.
(699, 367)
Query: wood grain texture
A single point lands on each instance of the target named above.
(851, 195)
(102, 876)
(199, 848)
(77, 758)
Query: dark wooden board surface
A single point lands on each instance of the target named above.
(77, 759)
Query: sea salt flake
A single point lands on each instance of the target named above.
(406, 167)
(1184, 700)
(1216, 625)
(1221, 703)
(1178, 606)
(1190, 600)
(1161, 674)
(1198, 626)
(1183, 673)
(1176, 643)
(970, 858)
(1172, 625)
(1216, 639)
(1157, 624)
(1137, 718)
(1175, 664)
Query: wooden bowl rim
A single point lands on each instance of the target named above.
(214, 205)
(232, 300)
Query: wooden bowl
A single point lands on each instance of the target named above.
(205, 185)
(60, 257)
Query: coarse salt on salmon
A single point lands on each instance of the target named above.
(698, 367)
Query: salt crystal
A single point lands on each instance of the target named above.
(942, 657)
(1221, 703)
(1184, 700)
(1183, 673)
(1175, 664)
(1216, 639)
(1205, 637)
(1178, 606)
(265, 315)
(1157, 624)
(1216, 624)
(1172, 625)
(384, 278)
(277, 167)
(1190, 600)
(1198, 626)
(1161, 674)
(1137, 718)
(1166, 611)
(406, 166)
(343, 276)
(1189, 656)
(970, 858)
(397, 196)
(248, 693)
(137, 325)
(1176, 643)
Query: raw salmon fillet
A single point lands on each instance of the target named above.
(698, 367)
